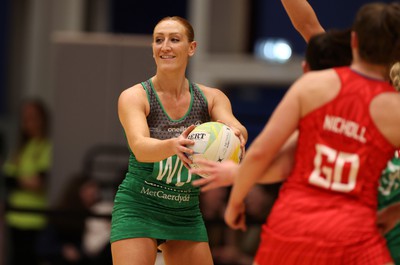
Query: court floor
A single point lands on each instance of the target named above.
(159, 260)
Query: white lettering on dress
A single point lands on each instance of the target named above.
(345, 127)
(162, 195)
(169, 171)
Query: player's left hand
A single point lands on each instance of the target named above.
(239, 134)
(235, 216)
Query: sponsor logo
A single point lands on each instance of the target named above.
(165, 196)
(199, 136)
(177, 130)
(172, 170)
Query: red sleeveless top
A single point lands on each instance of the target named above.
(332, 191)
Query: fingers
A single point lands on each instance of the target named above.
(242, 141)
(200, 171)
(184, 153)
(199, 182)
(204, 162)
(205, 167)
(218, 174)
(238, 133)
(210, 186)
(240, 222)
(206, 184)
(235, 216)
(183, 150)
(182, 147)
(185, 160)
(188, 130)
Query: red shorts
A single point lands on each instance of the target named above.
(277, 250)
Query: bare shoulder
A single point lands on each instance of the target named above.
(133, 98)
(213, 95)
(316, 88)
(321, 79)
(387, 103)
(324, 82)
(133, 93)
(209, 91)
(385, 112)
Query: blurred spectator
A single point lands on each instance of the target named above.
(74, 235)
(25, 171)
(234, 247)
(213, 203)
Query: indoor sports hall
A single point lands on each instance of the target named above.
(63, 66)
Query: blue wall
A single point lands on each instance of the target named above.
(129, 16)
(271, 19)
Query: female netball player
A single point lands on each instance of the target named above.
(389, 192)
(326, 211)
(156, 207)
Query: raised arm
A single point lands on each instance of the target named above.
(303, 18)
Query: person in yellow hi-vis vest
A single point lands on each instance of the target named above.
(25, 172)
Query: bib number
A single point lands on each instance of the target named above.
(334, 170)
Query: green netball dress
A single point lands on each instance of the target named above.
(389, 193)
(157, 200)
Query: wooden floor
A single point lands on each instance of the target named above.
(159, 260)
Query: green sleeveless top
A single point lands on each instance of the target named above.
(170, 173)
(157, 200)
(389, 193)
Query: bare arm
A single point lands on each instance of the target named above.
(222, 174)
(388, 218)
(262, 152)
(303, 18)
(220, 109)
(132, 110)
(282, 164)
(313, 94)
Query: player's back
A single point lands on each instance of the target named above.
(331, 193)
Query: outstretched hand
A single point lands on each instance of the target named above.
(219, 174)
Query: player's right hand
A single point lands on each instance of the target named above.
(181, 146)
(219, 174)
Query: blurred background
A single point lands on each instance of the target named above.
(76, 56)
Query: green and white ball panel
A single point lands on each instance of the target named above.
(214, 141)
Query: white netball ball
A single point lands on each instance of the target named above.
(214, 141)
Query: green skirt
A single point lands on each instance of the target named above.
(152, 210)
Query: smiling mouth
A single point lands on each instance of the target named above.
(167, 57)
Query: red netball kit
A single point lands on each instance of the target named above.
(326, 210)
